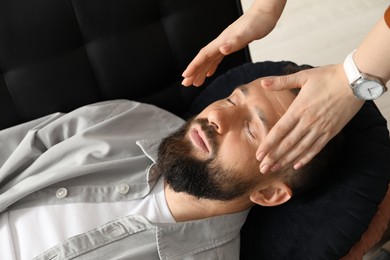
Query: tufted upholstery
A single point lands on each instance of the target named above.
(56, 55)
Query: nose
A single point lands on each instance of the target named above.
(221, 119)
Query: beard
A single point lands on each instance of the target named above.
(205, 179)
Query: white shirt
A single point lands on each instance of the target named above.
(33, 230)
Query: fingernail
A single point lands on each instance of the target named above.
(276, 167)
(264, 169)
(298, 165)
(260, 156)
(267, 82)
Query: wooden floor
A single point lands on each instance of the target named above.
(320, 33)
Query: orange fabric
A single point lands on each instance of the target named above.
(387, 16)
(374, 232)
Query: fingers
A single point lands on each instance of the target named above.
(196, 71)
(308, 146)
(204, 65)
(194, 66)
(187, 81)
(311, 152)
(208, 71)
(279, 141)
(292, 139)
(276, 134)
(276, 83)
(199, 76)
(287, 150)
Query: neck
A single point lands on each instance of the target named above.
(185, 207)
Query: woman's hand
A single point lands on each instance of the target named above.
(254, 24)
(323, 107)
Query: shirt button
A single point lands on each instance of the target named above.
(123, 188)
(61, 193)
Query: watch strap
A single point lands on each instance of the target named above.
(350, 68)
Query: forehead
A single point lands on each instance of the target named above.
(254, 91)
(272, 104)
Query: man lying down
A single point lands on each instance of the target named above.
(98, 183)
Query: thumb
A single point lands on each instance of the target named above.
(226, 49)
(282, 82)
(231, 45)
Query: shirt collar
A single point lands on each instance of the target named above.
(150, 147)
(198, 235)
(194, 235)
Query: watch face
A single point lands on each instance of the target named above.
(368, 90)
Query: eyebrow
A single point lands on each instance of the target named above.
(259, 112)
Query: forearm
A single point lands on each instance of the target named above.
(260, 19)
(373, 54)
(272, 7)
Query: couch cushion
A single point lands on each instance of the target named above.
(60, 55)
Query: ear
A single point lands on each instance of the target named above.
(275, 194)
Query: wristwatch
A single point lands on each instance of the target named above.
(364, 86)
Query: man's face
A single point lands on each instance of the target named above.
(213, 155)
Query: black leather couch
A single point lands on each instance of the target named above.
(57, 55)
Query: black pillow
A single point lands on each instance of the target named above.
(327, 222)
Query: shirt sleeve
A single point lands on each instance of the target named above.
(11, 138)
(32, 151)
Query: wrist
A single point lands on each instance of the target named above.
(345, 92)
(344, 82)
(258, 23)
(271, 8)
(363, 86)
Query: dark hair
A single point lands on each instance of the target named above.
(316, 171)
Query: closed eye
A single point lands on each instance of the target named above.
(249, 131)
(230, 101)
(247, 127)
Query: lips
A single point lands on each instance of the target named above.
(199, 139)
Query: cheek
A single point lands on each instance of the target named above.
(238, 156)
